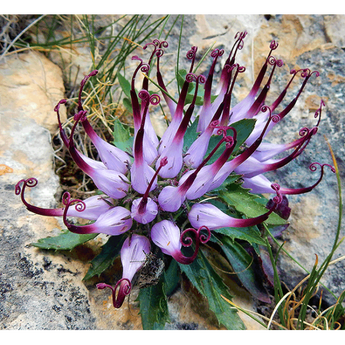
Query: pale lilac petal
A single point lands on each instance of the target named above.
(133, 254)
(111, 182)
(149, 214)
(95, 206)
(166, 235)
(174, 155)
(141, 176)
(171, 198)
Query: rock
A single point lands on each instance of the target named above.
(38, 290)
(32, 85)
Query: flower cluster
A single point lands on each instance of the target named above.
(144, 188)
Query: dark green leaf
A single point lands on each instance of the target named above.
(242, 263)
(243, 128)
(66, 241)
(190, 135)
(153, 307)
(128, 104)
(171, 277)
(247, 203)
(210, 284)
(106, 257)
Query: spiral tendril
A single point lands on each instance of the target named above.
(144, 67)
(123, 292)
(199, 236)
(313, 167)
(66, 200)
(274, 45)
(279, 197)
(217, 52)
(191, 53)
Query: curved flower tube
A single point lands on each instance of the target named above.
(174, 151)
(125, 288)
(112, 183)
(133, 255)
(114, 222)
(94, 206)
(259, 184)
(195, 183)
(177, 116)
(144, 210)
(166, 235)
(208, 215)
(112, 157)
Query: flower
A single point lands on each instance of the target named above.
(133, 255)
(166, 235)
(145, 190)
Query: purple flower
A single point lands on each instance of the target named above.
(166, 235)
(209, 215)
(160, 179)
(133, 255)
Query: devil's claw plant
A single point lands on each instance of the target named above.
(201, 182)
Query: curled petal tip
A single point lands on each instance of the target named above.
(278, 198)
(274, 45)
(56, 108)
(93, 73)
(102, 286)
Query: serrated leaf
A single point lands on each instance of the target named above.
(210, 284)
(66, 241)
(250, 234)
(153, 307)
(106, 257)
(247, 203)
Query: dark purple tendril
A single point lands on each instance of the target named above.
(32, 182)
(82, 84)
(66, 200)
(187, 242)
(275, 117)
(279, 197)
(125, 287)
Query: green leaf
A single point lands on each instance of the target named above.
(128, 104)
(153, 307)
(125, 84)
(66, 241)
(250, 234)
(251, 205)
(122, 136)
(243, 265)
(190, 135)
(210, 284)
(171, 277)
(106, 257)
